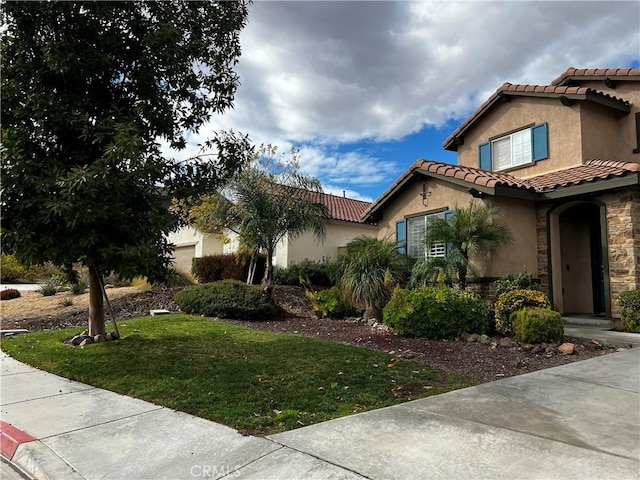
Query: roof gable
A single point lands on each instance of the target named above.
(507, 90)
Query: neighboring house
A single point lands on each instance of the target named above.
(191, 243)
(562, 163)
(343, 225)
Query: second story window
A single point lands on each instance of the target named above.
(514, 149)
(511, 150)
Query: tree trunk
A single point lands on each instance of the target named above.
(462, 278)
(267, 284)
(96, 302)
(252, 269)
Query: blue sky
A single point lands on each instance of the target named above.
(363, 89)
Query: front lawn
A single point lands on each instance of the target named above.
(254, 381)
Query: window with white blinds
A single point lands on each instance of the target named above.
(416, 228)
(512, 150)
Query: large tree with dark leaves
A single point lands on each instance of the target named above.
(89, 90)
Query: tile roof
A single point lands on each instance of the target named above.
(553, 91)
(591, 171)
(343, 208)
(596, 73)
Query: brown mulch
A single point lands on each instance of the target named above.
(477, 361)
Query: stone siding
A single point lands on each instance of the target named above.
(623, 235)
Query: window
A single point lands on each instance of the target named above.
(514, 149)
(416, 228)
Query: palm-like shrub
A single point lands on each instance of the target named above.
(470, 231)
(370, 271)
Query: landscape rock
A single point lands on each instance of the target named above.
(484, 339)
(566, 348)
(77, 339)
(107, 337)
(99, 338)
(536, 349)
(473, 337)
(86, 341)
(507, 342)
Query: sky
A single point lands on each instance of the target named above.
(364, 89)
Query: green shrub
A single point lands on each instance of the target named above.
(50, 288)
(512, 302)
(10, 269)
(537, 325)
(226, 299)
(331, 303)
(435, 312)
(322, 273)
(515, 281)
(9, 294)
(630, 309)
(79, 287)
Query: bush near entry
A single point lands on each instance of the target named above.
(630, 309)
(537, 325)
(435, 312)
(512, 302)
(227, 299)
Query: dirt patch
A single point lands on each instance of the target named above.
(499, 358)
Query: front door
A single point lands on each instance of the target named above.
(581, 260)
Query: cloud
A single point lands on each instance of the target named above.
(321, 75)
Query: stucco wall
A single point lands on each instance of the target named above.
(518, 216)
(625, 125)
(205, 244)
(306, 246)
(563, 129)
(599, 131)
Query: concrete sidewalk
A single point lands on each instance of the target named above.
(580, 421)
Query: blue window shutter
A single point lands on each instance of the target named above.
(484, 156)
(539, 143)
(401, 236)
(447, 216)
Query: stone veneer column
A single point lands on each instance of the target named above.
(543, 247)
(623, 235)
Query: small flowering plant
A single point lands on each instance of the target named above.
(516, 300)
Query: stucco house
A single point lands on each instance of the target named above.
(562, 163)
(345, 222)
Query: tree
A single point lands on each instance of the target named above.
(268, 201)
(89, 90)
(471, 231)
(371, 268)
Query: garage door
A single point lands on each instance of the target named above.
(182, 257)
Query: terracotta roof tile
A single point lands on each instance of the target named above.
(571, 72)
(591, 171)
(342, 208)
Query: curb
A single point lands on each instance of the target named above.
(32, 457)
(11, 438)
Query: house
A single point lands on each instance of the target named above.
(344, 224)
(562, 163)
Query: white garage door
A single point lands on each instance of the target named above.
(182, 257)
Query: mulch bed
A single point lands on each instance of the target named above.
(477, 361)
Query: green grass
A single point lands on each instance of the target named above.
(250, 380)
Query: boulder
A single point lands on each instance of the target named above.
(484, 339)
(566, 348)
(99, 338)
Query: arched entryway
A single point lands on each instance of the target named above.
(580, 282)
